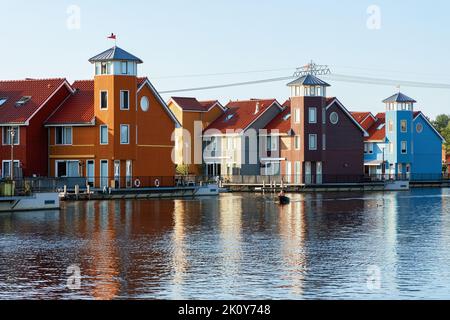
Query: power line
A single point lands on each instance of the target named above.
(200, 75)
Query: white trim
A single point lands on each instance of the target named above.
(309, 115)
(63, 136)
(161, 101)
(12, 142)
(432, 127)
(67, 168)
(92, 123)
(107, 100)
(366, 134)
(107, 173)
(10, 167)
(309, 142)
(87, 166)
(272, 159)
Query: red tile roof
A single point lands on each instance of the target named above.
(79, 108)
(39, 91)
(360, 116)
(241, 114)
(192, 104)
(282, 122)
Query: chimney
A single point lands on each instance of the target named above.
(257, 108)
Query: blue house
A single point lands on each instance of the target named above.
(402, 143)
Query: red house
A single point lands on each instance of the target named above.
(25, 105)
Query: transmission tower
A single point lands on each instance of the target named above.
(312, 69)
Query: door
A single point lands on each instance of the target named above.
(104, 174)
(117, 174)
(319, 170)
(308, 173)
(408, 172)
(129, 174)
(90, 173)
(288, 171)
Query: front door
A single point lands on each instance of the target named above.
(308, 173)
(90, 173)
(117, 173)
(129, 174)
(319, 171)
(104, 174)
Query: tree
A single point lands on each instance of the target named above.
(442, 122)
(446, 134)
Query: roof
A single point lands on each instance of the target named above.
(308, 80)
(365, 119)
(282, 122)
(331, 101)
(115, 54)
(78, 108)
(40, 91)
(241, 114)
(360, 116)
(192, 104)
(399, 97)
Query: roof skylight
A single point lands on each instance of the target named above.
(229, 117)
(3, 100)
(23, 101)
(287, 117)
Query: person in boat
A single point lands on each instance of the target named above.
(282, 194)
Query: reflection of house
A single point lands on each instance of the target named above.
(448, 163)
(113, 128)
(402, 142)
(232, 141)
(24, 107)
(190, 111)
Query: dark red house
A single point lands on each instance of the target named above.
(324, 142)
(25, 105)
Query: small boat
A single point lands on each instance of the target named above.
(33, 202)
(283, 200)
(396, 186)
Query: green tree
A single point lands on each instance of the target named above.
(442, 122)
(446, 134)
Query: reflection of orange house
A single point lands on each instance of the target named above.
(188, 111)
(448, 163)
(113, 129)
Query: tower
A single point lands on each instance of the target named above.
(115, 105)
(399, 134)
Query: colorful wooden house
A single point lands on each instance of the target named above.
(114, 130)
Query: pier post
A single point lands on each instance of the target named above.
(77, 191)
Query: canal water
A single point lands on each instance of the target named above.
(237, 246)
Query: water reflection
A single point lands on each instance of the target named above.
(240, 246)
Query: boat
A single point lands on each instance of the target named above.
(32, 202)
(207, 190)
(396, 186)
(283, 200)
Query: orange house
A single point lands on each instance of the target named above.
(114, 130)
(189, 111)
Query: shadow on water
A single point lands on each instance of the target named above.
(239, 246)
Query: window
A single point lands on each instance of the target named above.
(6, 168)
(272, 143)
(312, 115)
(287, 117)
(103, 100)
(124, 100)
(391, 148)
(230, 144)
(334, 118)
(229, 117)
(124, 134)
(366, 148)
(297, 142)
(103, 134)
(391, 126)
(63, 135)
(313, 142)
(145, 104)
(105, 68)
(297, 115)
(22, 101)
(324, 142)
(324, 116)
(3, 100)
(419, 128)
(404, 147)
(67, 169)
(370, 148)
(404, 126)
(7, 134)
(124, 67)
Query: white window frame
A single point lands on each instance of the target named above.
(122, 100)
(107, 135)
(122, 64)
(128, 134)
(7, 136)
(309, 142)
(370, 148)
(107, 99)
(312, 115)
(297, 115)
(297, 143)
(107, 173)
(366, 148)
(404, 143)
(63, 137)
(324, 115)
(406, 126)
(10, 167)
(67, 168)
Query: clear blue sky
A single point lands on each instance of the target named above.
(180, 37)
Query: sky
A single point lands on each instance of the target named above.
(405, 40)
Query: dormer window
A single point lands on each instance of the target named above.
(3, 100)
(23, 101)
(287, 117)
(229, 117)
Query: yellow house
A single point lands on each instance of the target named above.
(191, 112)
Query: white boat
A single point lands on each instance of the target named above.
(396, 186)
(34, 202)
(207, 190)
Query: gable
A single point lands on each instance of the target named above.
(422, 119)
(347, 114)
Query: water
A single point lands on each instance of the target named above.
(240, 246)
